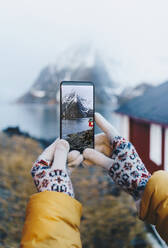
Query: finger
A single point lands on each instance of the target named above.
(86, 163)
(107, 128)
(73, 155)
(97, 158)
(101, 138)
(60, 155)
(99, 146)
(106, 150)
(48, 153)
(75, 160)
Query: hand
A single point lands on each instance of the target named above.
(50, 172)
(102, 140)
(119, 157)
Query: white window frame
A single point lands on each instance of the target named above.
(166, 150)
(122, 124)
(125, 126)
(155, 144)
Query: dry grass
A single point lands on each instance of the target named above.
(109, 215)
(16, 157)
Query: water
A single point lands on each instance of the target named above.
(41, 121)
(74, 126)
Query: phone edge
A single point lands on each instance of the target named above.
(84, 82)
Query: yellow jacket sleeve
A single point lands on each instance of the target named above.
(52, 220)
(154, 203)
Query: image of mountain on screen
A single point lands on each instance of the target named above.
(76, 106)
(81, 140)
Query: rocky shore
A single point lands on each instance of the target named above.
(11, 131)
(81, 140)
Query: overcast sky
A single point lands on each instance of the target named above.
(132, 34)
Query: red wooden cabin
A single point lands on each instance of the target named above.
(144, 121)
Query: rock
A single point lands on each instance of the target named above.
(15, 131)
(81, 140)
(138, 242)
(4, 193)
(129, 93)
(10, 131)
(3, 234)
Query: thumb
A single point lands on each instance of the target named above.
(96, 158)
(60, 155)
(48, 153)
(74, 158)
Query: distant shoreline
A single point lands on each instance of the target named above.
(78, 140)
(10, 131)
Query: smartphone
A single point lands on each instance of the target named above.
(77, 107)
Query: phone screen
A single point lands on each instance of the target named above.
(77, 114)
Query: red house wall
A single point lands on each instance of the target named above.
(140, 137)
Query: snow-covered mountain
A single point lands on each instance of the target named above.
(74, 106)
(129, 93)
(81, 64)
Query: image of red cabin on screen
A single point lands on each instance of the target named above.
(90, 122)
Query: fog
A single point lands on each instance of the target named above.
(82, 91)
(131, 35)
